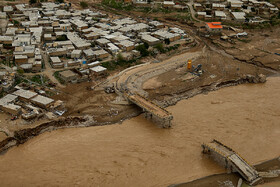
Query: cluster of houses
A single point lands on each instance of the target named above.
(28, 104)
(7, 80)
(169, 4)
(70, 38)
(252, 11)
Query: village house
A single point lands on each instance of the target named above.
(235, 4)
(68, 76)
(201, 15)
(93, 64)
(48, 37)
(37, 66)
(198, 7)
(6, 39)
(101, 54)
(150, 39)
(98, 70)
(102, 42)
(92, 36)
(126, 45)
(11, 109)
(216, 6)
(214, 27)
(42, 101)
(8, 9)
(89, 53)
(21, 59)
(24, 95)
(168, 3)
(238, 16)
(113, 48)
(156, 24)
(56, 62)
(76, 53)
(9, 98)
(72, 63)
(162, 34)
(220, 15)
(78, 42)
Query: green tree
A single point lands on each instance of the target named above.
(83, 4)
(167, 41)
(146, 45)
(32, 2)
(120, 58)
(62, 38)
(20, 71)
(143, 50)
(159, 47)
(16, 22)
(59, 1)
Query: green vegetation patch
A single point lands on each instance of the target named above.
(143, 49)
(120, 62)
(40, 79)
(83, 4)
(119, 5)
(56, 75)
(62, 38)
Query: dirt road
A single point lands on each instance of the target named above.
(134, 79)
(49, 71)
(137, 153)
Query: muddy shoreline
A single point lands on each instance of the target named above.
(21, 136)
(218, 179)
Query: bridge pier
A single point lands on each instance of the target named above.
(153, 111)
(148, 115)
(164, 123)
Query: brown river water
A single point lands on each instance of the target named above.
(137, 153)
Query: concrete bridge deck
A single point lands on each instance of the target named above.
(231, 160)
(148, 106)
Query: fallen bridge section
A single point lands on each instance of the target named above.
(232, 161)
(152, 110)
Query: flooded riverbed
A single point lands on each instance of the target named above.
(137, 153)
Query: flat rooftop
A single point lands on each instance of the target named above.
(98, 69)
(42, 99)
(67, 73)
(25, 94)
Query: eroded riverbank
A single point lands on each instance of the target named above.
(137, 153)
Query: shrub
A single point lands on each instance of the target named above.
(20, 71)
(120, 58)
(59, 1)
(16, 22)
(167, 41)
(62, 38)
(143, 50)
(159, 47)
(83, 4)
(117, 5)
(32, 1)
(56, 75)
(146, 45)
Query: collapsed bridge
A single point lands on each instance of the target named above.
(232, 161)
(152, 110)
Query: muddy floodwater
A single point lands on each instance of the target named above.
(137, 153)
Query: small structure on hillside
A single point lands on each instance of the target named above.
(42, 101)
(98, 70)
(68, 75)
(214, 27)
